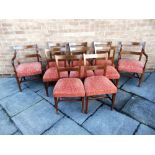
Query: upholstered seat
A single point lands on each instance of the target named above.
(98, 85)
(51, 74)
(75, 74)
(29, 69)
(76, 63)
(69, 87)
(133, 66)
(111, 72)
(102, 62)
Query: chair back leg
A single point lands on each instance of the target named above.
(56, 104)
(82, 104)
(19, 85)
(86, 110)
(46, 88)
(141, 79)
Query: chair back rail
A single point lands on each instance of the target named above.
(68, 60)
(94, 67)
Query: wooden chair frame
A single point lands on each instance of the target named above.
(69, 59)
(19, 48)
(54, 49)
(107, 44)
(140, 54)
(94, 67)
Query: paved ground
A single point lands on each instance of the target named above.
(31, 112)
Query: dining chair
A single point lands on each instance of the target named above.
(68, 87)
(26, 62)
(98, 86)
(51, 73)
(108, 50)
(131, 59)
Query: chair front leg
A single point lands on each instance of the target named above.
(141, 79)
(113, 101)
(86, 111)
(116, 82)
(46, 88)
(18, 82)
(82, 104)
(56, 104)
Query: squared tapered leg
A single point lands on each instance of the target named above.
(19, 85)
(82, 104)
(141, 79)
(46, 88)
(113, 101)
(86, 111)
(56, 104)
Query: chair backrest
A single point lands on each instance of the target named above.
(132, 48)
(94, 67)
(56, 49)
(32, 51)
(68, 60)
(78, 48)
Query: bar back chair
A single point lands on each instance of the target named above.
(98, 86)
(28, 65)
(130, 59)
(51, 73)
(107, 48)
(68, 87)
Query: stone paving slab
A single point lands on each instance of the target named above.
(6, 125)
(145, 130)
(19, 101)
(36, 119)
(122, 81)
(42, 93)
(35, 85)
(18, 133)
(122, 98)
(66, 127)
(107, 122)
(142, 110)
(9, 85)
(147, 89)
(73, 109)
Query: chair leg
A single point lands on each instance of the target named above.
(82, 104)
(86, 111)
(141, 79)
(46, 88)
(56, 104)
(116, 82)
(18, 82)
(113, 101)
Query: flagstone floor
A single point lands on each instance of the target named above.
(32, 113)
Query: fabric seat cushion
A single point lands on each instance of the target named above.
(111, 72)
(98, 85)
(75, 74)
(51, 74)
(69, 87)
(53, 64)
(102, 62)
(133, 66)
(81, 63)
(29, 69)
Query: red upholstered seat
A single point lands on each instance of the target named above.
(98, 85)
(77, 63)
(29, 69)
(75, 74)
(69, 87)
(111, 72)
(102, 62)
(53, 64)
(51, 74)
(133, 66)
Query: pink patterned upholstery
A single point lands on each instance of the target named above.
(133, 66)
(69, 87)
(53, 64)
(29, 69)
(102, 62)
(98, 85)
(75, 74)
(111, 72)
(76, 63)
(51, 74)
